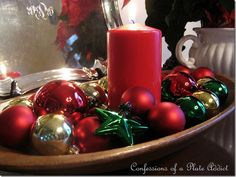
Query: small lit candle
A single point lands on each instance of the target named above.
(134, 59)
(4, 74)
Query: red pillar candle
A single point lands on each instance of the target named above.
(134, 59)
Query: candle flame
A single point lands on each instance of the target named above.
(66, 74)
(132, 12)
(3, 70)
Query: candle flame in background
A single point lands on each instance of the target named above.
(66, 74)
(3, 70)
(132, 12)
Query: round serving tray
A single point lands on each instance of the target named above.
(115, 159)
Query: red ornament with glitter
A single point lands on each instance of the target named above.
(61, 97)
(180, 84)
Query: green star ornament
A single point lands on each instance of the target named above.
(116, 124)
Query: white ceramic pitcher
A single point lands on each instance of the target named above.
(212, 47)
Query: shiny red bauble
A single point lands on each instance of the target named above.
(164, 74)
(202, 72)
(60, 97)
(85, 138)
(75, 117)
(140, 99)
(181, 84)
(181, 68)
(31, 98)
(166, 118)
(15, 125)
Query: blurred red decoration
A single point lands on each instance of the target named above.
(73, 13)
(125, 3)
(13, 74)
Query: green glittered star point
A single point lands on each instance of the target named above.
(116, 124)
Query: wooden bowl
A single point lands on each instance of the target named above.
(115, 159)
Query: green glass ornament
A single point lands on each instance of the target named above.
(194, 110)
(116, 124)
(165, 91)
(209, 99)
(217, 87)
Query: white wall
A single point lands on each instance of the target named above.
(139, 7)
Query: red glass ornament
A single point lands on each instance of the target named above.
(140, 99)
(166, 118)
(61, 97)
(181, 84)
(202, 72)
(164, 74)
(31, 98)
(181, 68)
(75, 117)
(15, 125)
(85, 138)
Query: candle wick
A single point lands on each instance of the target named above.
(132, 21)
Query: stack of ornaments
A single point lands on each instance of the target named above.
(65, 117)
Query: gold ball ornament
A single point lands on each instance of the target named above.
(96, 95)
(202, 81)
(19, 102)
(52, 135)
(209, 99)
(103, 82)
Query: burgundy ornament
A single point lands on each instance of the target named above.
(140, 99)
(202, 72)
(85, 138)
(75, 118)
(15, 126)
(180, 68)
(59, 97)
(166, 118)
(164, 74)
